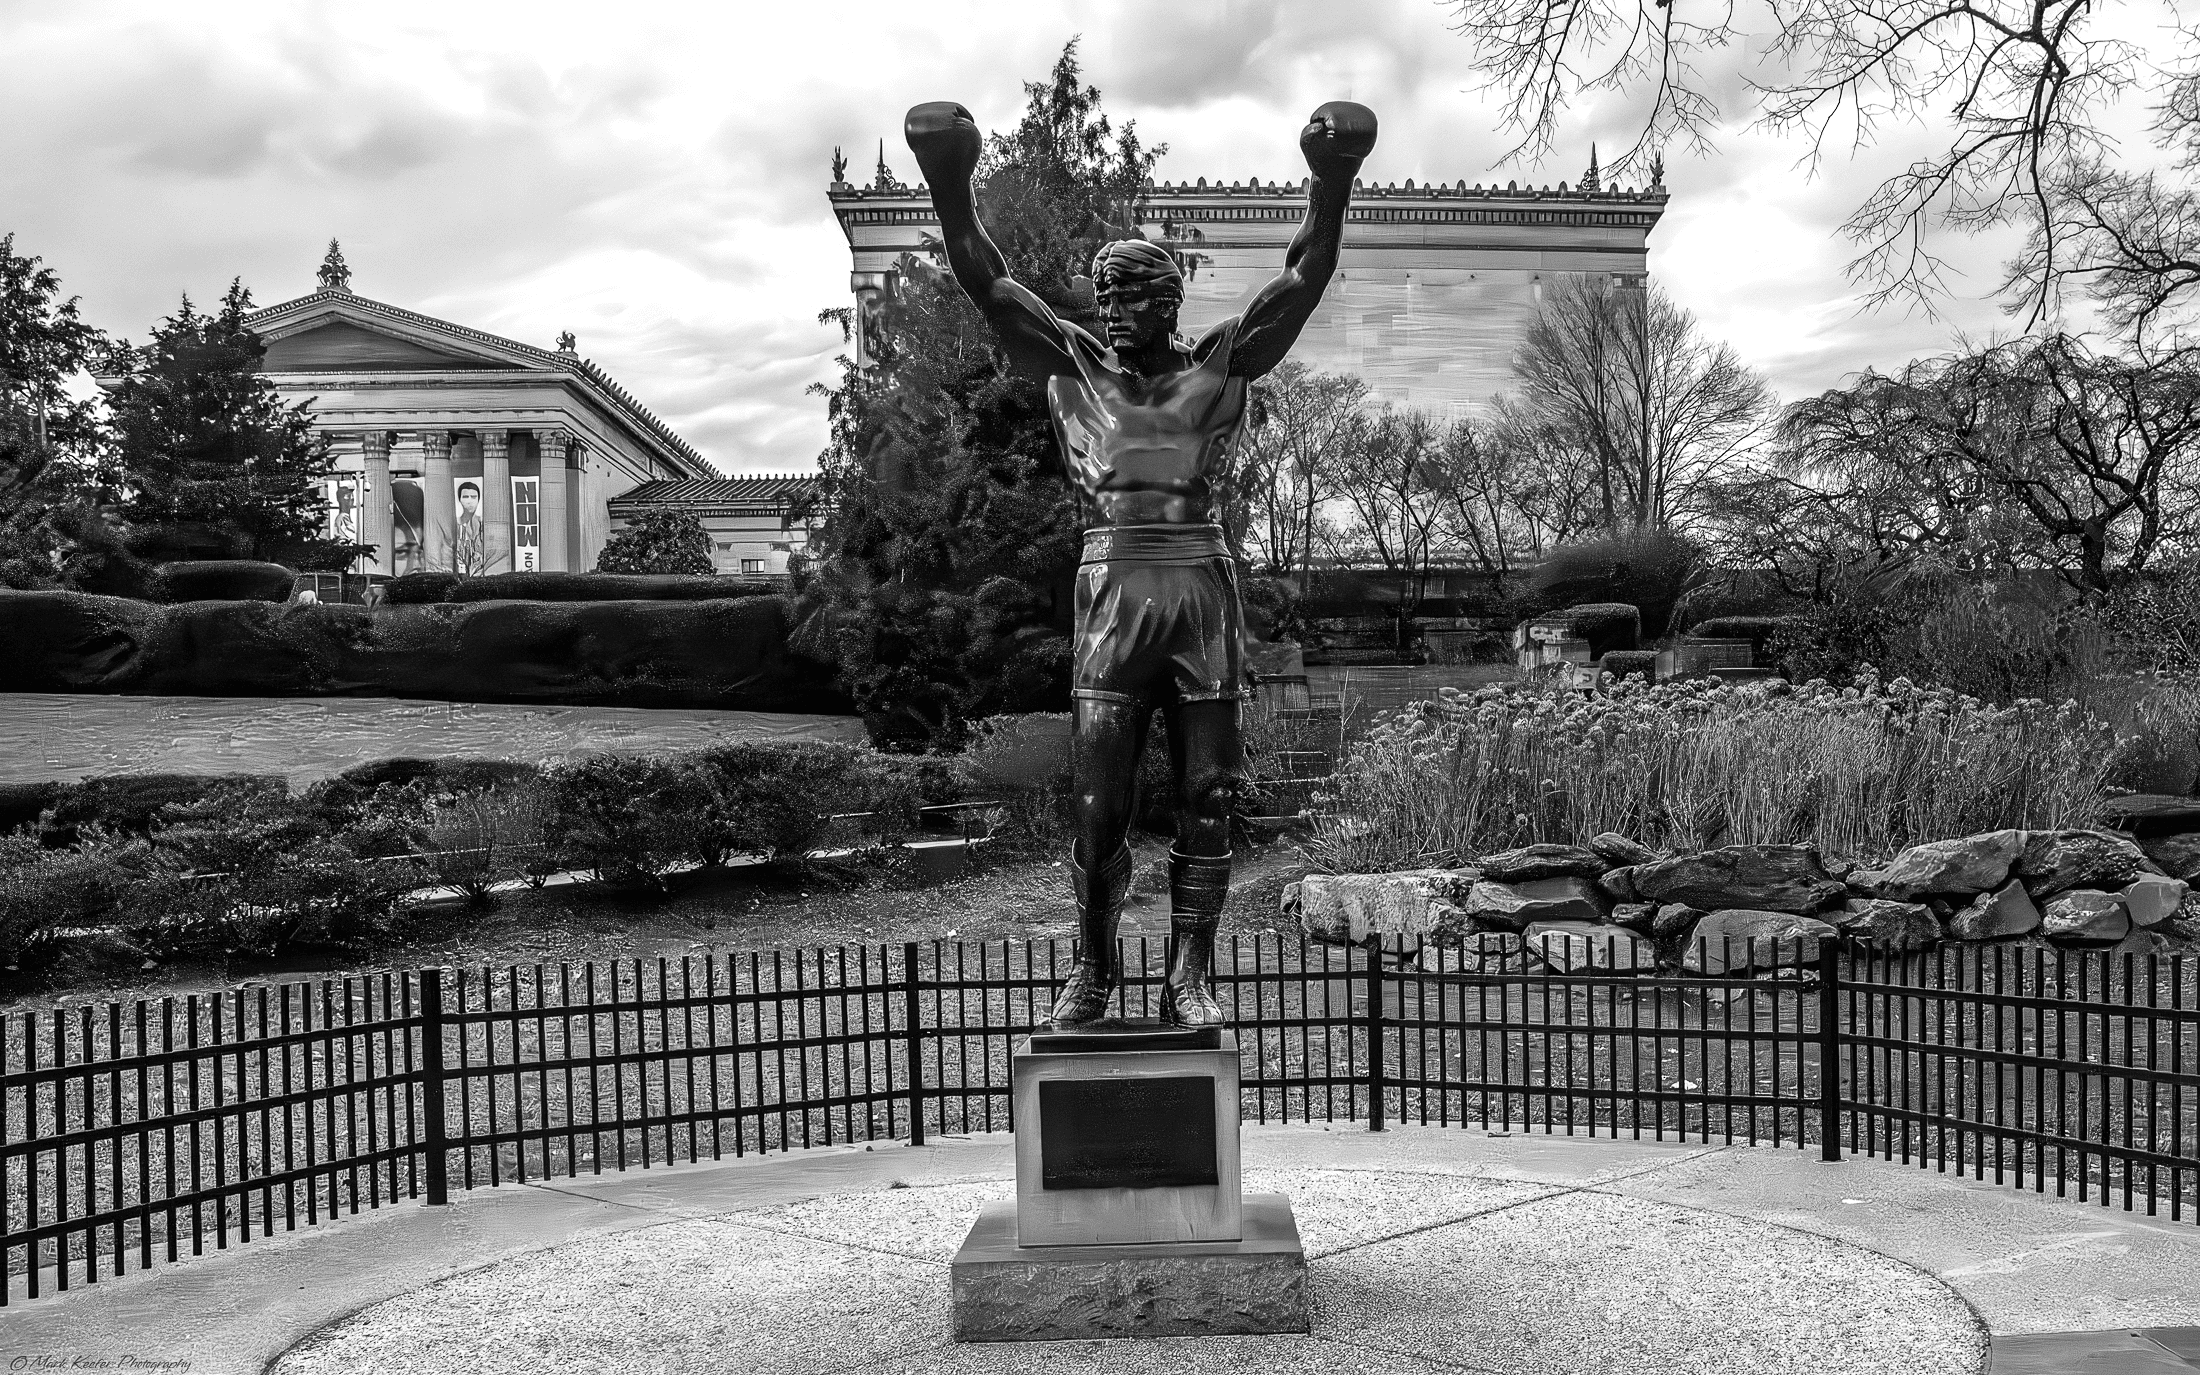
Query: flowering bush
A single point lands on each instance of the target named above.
(1858, 771)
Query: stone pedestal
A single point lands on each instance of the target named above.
(1004, 1292)
(1128, 1218)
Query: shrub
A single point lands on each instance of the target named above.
(22, 804)
(43, 890)
(630, 818)
(1022, 761)
(1858, 772)
(1649, 569)
(247, 869)
(130, 803)
(663, 540)
(487, 836)
(776, 798)
(1272, 610)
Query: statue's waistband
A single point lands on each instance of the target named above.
(1154, 543)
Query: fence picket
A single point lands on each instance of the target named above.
(2036, 1062)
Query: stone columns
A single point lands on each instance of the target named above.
(496, 501)
(438, 503)
(374, 528)
(553, 445)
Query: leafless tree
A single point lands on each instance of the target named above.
(1301, 422)
(1655, 410)
(1510, 489)
(2021, 82)
(2037, 449)
(1391, 479)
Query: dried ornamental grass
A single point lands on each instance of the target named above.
(1858, 771)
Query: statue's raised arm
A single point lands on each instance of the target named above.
(947, 144)
(1335, 141)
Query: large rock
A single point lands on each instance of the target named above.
(2152, 899)
(2177, 855)
(1515, 906)
(1412, 903)
(2058, 861)
(2148, 815)
(1618, 851)
(1767, 878)
(2086, 916)
(1674, 920)
(2005, 912)
(1740, 939)
(1888, 925)
(1634, 916)
(1619, 884)
(1575, 947)
(1964, 867)
(1545, 860)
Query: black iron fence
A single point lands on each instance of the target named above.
(136, 1134)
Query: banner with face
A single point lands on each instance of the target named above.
(470, 540)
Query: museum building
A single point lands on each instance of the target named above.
(759, 525)
(458, 450)
(1434, 288)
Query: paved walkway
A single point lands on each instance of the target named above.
(1430, 1249)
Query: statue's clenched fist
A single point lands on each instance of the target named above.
(1337, 137)
(947, 142)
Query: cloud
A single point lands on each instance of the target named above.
(653, 177)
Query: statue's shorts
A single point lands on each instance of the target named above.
(1158, 619)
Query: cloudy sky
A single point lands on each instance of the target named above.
(652, 176)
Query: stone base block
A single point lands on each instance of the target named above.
(1009, 1293)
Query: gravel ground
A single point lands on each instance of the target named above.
(1410, 1272)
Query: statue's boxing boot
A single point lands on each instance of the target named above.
(1100, 897)
(1198, 886)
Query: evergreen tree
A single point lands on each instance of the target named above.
(950, 542)
(661, 541)
(51, 530)
(207, 460)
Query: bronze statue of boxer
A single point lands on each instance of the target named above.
(1145, 426)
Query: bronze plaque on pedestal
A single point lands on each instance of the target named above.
(1127, 1133)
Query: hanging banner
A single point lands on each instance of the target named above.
(343, 498)
(526, 524)
(408, 526)
(470, 540)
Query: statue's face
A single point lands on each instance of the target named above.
(1136, 318)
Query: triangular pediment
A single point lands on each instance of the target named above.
(339, 334)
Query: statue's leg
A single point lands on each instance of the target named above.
(1208, 760)
(1107, 736)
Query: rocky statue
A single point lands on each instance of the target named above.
(1146, 425)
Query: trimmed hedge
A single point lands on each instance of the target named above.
(222, 580)
(423, 588)
(720, 655)
(1607, 626)
(1622, 662)
(419, 589)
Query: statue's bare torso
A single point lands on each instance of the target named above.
(1147, 450)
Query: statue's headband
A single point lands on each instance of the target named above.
(1137, 265)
